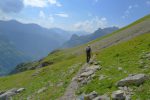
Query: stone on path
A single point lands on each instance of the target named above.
(103, 97)
(118, 95)
(91, 96)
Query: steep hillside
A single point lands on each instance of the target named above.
(125, 48)
(119, 61)
(9, 56)
(79, 40)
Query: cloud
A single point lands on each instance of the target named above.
(35, 3)
(11, 6)
(44, 19)
(91, 25)
(128, 11)
(51, 18)
(62, 15)
(41, 3)
(55, 2)
(42, 14)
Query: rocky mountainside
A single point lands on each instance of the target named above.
(78, 40)
(9, 56)
(32, 39)
(120, 70)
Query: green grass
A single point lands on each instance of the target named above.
(126, 55)
(59, 72)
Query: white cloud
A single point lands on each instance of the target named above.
(51, 18)
(35, 3)
(55, 2)
(62, 15)
(128, 11)
(91, 25)
(45, 20)
(41, 3)
(42, 14)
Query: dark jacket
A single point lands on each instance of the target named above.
(88, 50)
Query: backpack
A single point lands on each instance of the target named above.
(88, 49)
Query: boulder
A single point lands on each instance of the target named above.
(84, 81)
(97, 62)
(7, 95)
(118, 95)
(91, 96)
(87, 73)
(132, 80)
(93, 67)
(42, 90)
(103, 97)
(20, 90)
(1, 92)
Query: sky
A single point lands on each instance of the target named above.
(75, 15)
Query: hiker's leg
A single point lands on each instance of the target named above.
(87, 59)
(89, 56)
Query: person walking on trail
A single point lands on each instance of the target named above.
(88, 53)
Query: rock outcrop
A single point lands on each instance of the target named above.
(132, 80)
(8, 94)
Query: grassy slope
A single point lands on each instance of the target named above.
(61, 72)
(64, 62)
(128, 56)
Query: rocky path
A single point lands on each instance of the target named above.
(71, 89)
(82, 77)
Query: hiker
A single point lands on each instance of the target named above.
(88, 53)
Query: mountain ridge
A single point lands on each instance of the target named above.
(79, 40)
(27, 37)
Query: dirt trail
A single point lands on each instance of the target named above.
(70, 93)
(71, 89)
